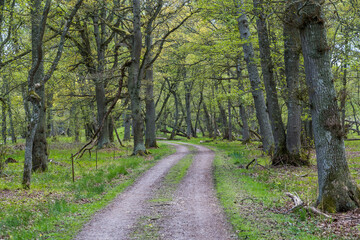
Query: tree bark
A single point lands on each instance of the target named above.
(208, 120)
(127, 124)
(280, 156)
(4, 117)
(9, 106)
(337, 190)
(257, 92)
(39, 152)
(134, 83)
(150, 129)
(99, 78)
(188, 86)
(292, 50)
(243, 114)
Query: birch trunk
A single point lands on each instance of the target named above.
(337, 190)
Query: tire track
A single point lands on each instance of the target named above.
(118, 218)
(195, 212)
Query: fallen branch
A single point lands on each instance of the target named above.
(300, 204)
(252, 161)
(304, 175)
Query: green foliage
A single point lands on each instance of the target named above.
(55, 207)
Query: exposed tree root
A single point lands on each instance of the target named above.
(282, 157)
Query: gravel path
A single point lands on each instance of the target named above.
(195, 212)
(117, 219)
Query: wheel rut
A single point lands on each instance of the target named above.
(192, 211)
(117, 219)
(195, 212)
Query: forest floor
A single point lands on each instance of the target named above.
(191, 189)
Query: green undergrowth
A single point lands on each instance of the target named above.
(55, 207)
(147, 227)
(254, 199)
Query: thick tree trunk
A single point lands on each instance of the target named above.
(337, 190)
(135, 82)
(292, 50)
(150, 129)
(99, 78)
(257, 92)
(39, 152)
(280, 156)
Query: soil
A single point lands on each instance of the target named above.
(193, 213)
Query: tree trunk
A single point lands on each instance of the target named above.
(224, 122)
(343, 95)
(337, 190)
(135, 82)
(111, 130)
(292, 50)
(230, 135)
(12, 129)
(176, 116)
(39, 152)
(99, 78)
(101, 111)
(243, 114)
(3, 108)
(150, 129)
(208, 120)
(280, 156)
(127, 124)
(188, 86)
(257, 92)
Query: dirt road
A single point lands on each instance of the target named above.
(193, 213)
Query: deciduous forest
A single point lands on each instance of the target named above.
(141, 119)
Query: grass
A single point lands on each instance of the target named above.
(55, 207)
(255, 202)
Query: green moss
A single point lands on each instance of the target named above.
(34, 95)
(327, 204)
